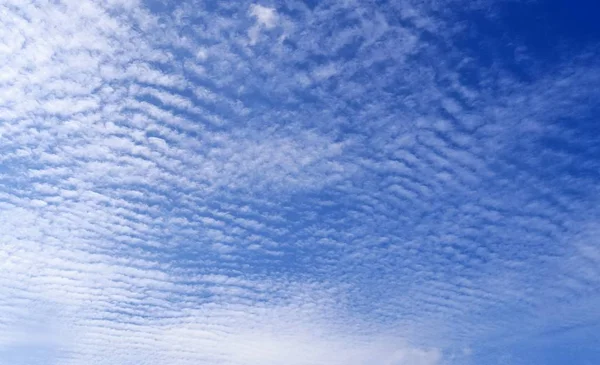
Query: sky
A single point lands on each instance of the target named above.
(413, 182)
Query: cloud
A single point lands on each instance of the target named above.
(369, 188)
(266, 18)
(416, 357)
(295, 336)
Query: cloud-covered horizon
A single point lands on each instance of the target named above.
(400, 183)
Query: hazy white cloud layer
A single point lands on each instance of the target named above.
(285, 183)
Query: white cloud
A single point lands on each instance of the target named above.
(202, 54)
(293, 334)
(176, 197)
(265, 16)
(325, 72)
(416, 357)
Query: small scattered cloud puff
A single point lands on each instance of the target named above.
(266, 18)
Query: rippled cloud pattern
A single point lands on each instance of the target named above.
(413, 182)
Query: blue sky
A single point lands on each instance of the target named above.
(302, 183)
